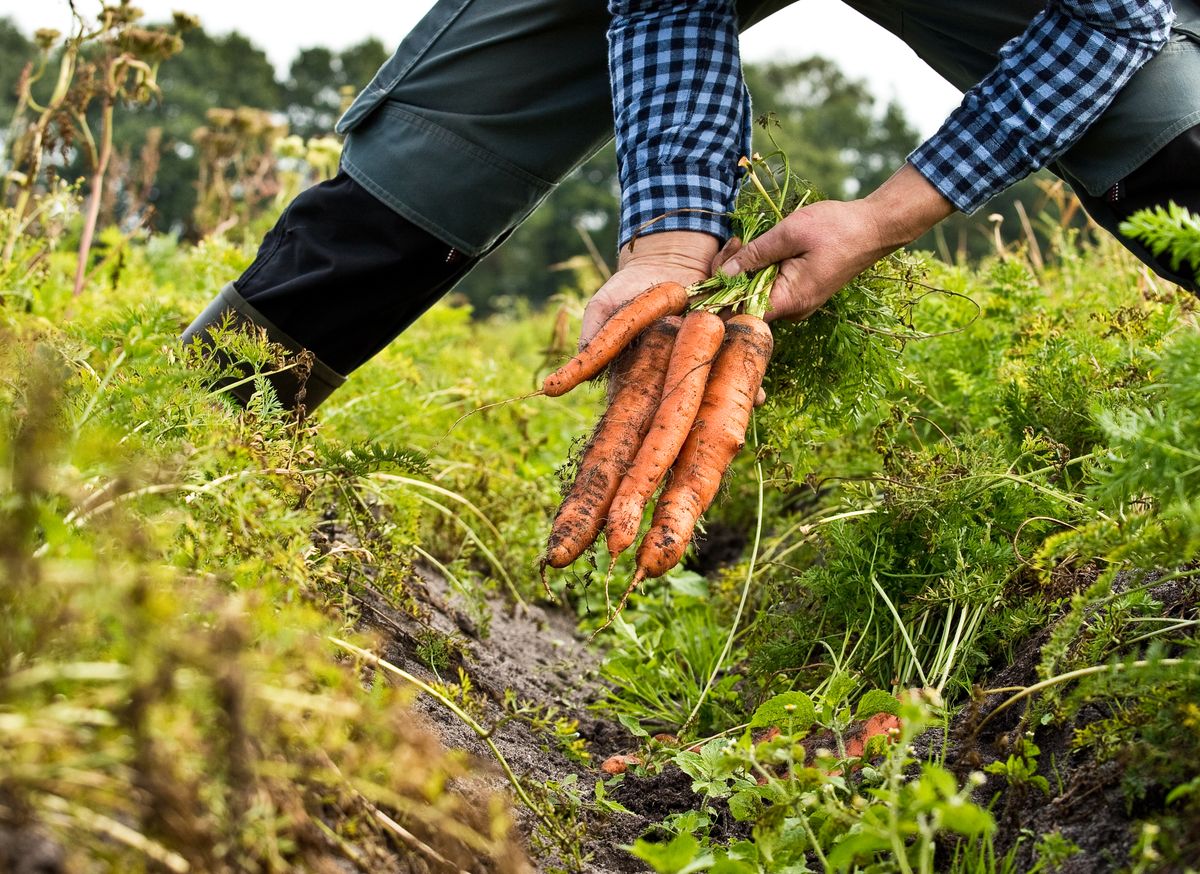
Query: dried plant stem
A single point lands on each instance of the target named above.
(410, 839)
(95, 195)
(64, 813)
(1026, 691)
(469, 413)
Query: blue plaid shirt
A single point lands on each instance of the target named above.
(683, 118)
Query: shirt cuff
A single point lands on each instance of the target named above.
(960, 163)
(686, 197)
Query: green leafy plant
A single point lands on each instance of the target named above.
(1020, 768)
(659, 665)
(1172, 231)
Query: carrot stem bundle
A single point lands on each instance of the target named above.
(666, 298)
(635, 388)
(695, 348)
(716, 438)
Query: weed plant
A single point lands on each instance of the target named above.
(171, 568)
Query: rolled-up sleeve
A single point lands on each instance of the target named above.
(1050, 85)
(681, 114)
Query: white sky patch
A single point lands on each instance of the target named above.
(282, 27)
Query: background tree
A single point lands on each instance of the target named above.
(829, 124)
(320, 80)
(15, 52)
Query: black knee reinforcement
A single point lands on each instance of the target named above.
(1171, 175)
(340, 275)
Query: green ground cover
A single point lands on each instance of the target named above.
(1008, 461)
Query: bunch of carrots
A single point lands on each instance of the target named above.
(684, 369)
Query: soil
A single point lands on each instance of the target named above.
(28, 850)
(1087, 803)
(657, 796)
(537, 655)
(722, 545)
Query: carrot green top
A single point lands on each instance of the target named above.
(769, 192)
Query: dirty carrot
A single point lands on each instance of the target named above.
(695, 348)
(717, 436)
(666, 298)
(635, 388)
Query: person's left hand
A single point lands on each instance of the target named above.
(818, 248)
(821, 247)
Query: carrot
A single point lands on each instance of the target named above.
(634, 389)
(717, 436)
(666, 298)
(695, 348)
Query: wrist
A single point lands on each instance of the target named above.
(905, 207)
(685, 250)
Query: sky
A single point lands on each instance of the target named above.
(282, 27)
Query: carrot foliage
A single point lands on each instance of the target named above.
(836, 365)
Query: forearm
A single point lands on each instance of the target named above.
(1050, 85)
(905, 207)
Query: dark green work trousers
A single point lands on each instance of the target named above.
(487, 104)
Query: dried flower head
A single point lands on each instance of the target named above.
(290, 147)
(150, 45)
(218, 117)
(47, 38)
(184, 21)
(122, 14)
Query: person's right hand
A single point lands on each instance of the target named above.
(668, 256)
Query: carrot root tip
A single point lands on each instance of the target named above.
(542, 565)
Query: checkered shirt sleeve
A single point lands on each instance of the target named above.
(681, 111)
(1050, 85)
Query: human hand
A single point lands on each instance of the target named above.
(670, 256)
(821, 247)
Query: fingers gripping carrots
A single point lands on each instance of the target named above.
(635, 388)
(666, 298)
(695, 348)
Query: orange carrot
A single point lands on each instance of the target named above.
(695, 348)
(635, 387)
(666, 298)
(717, 436)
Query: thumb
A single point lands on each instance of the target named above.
(771, 248)
(732, 246)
